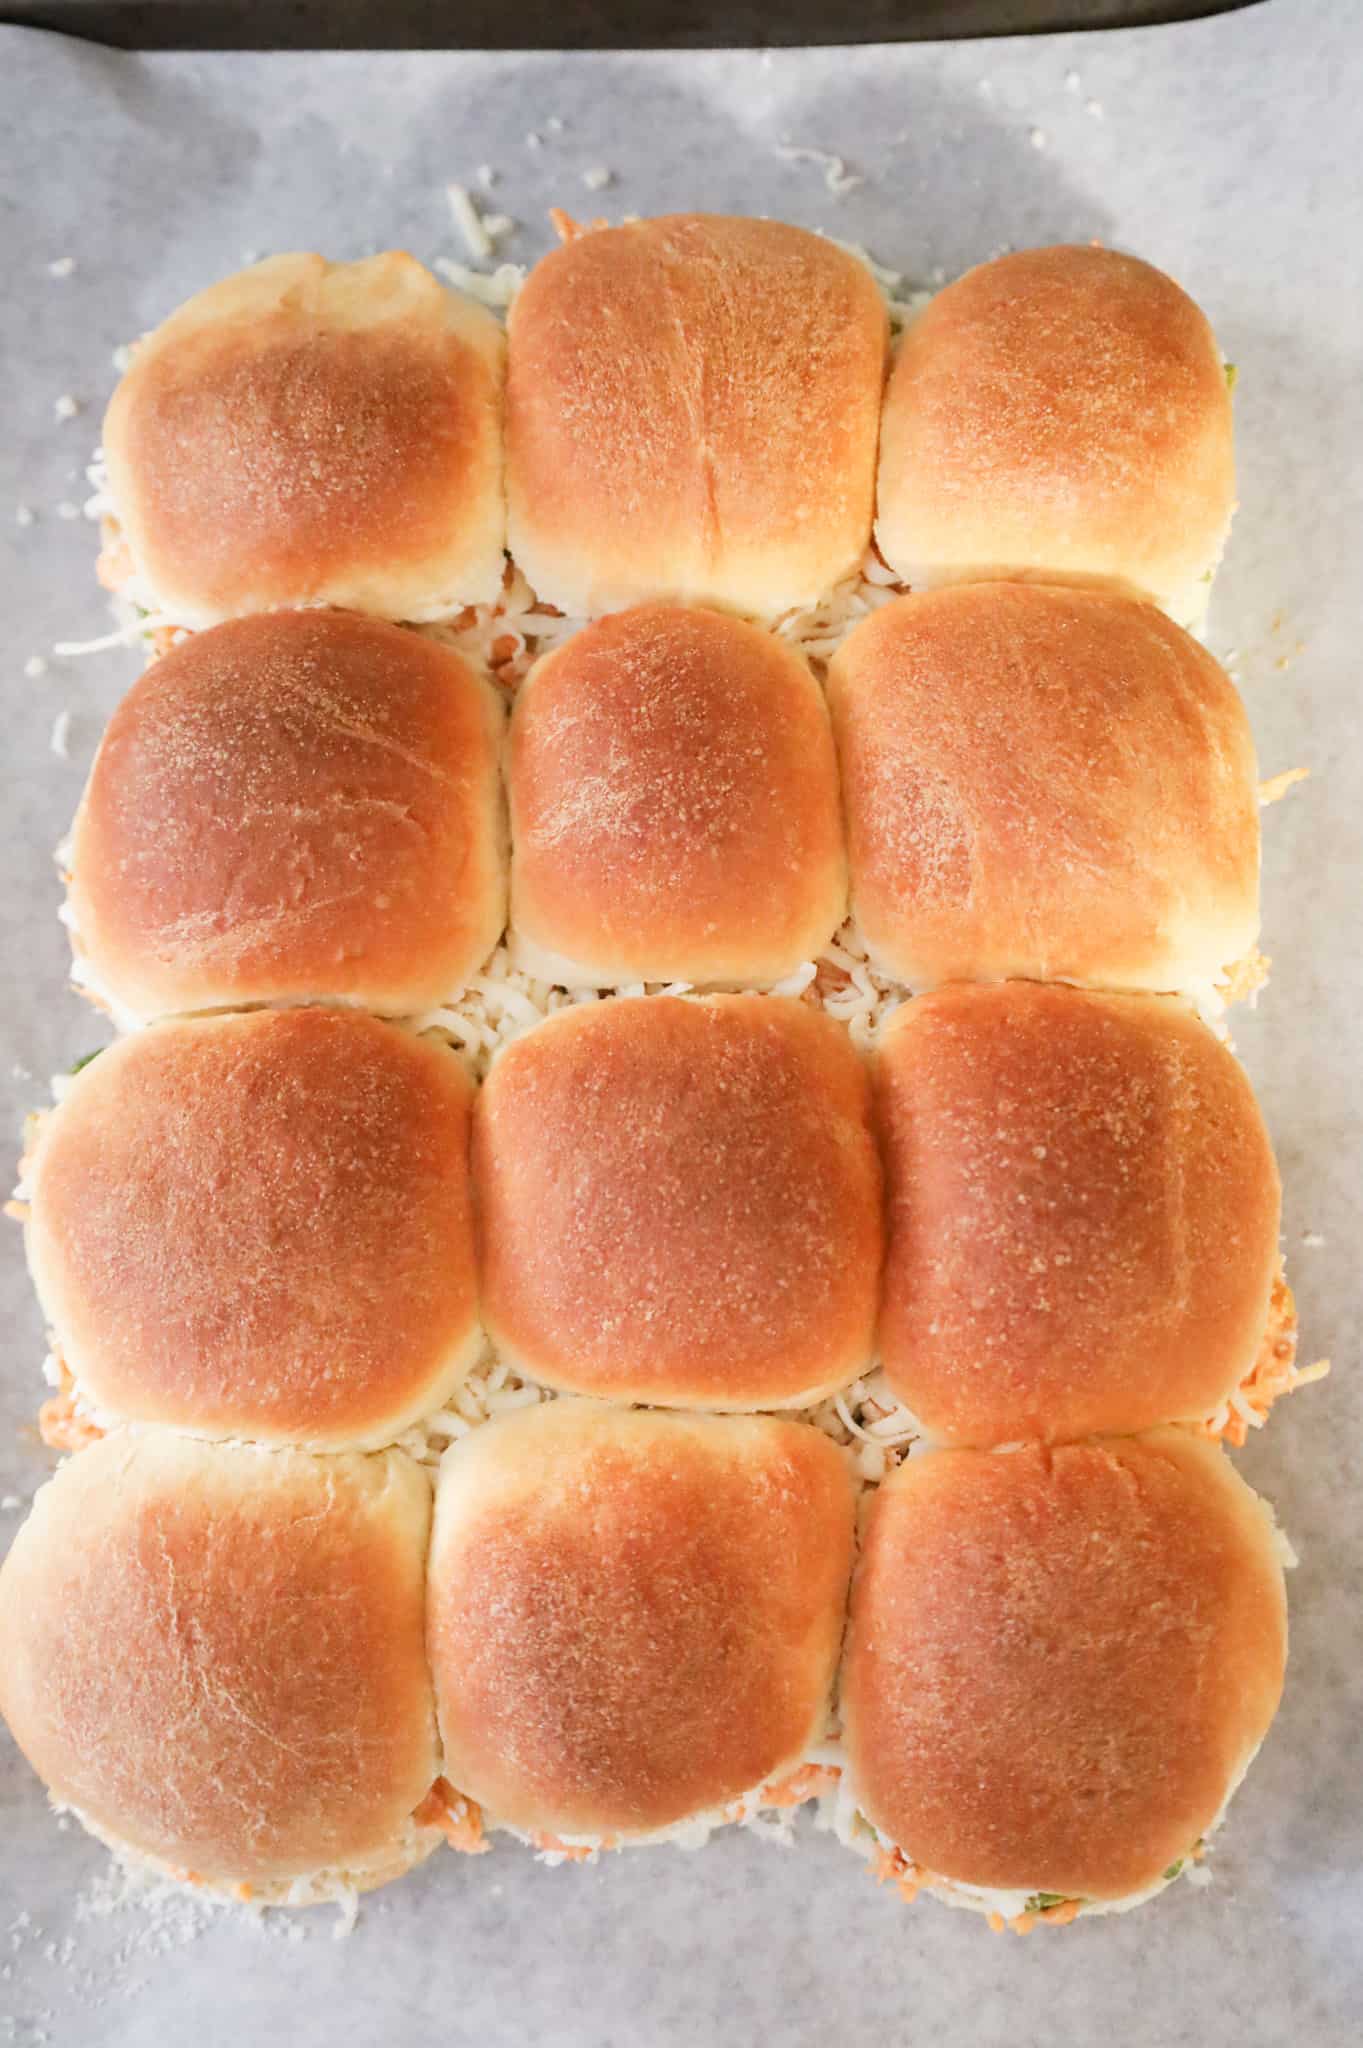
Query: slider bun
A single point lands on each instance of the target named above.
(674, 805)
(680, 1203)
(1061, 1662)
(301, 805)
(1083, 1213)
(313, 433)
(1059, 413)
(1045, 782)
(692, 410)
(634, 1618)
(214, 1654)
(261, 1226)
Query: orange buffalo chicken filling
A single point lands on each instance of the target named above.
(459, 1820)
(1273, 1374)
(61, 1424)
(892, 1866)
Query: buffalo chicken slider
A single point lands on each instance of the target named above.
(680, 1202)
(214, 1655)
(301, 806)
(1063, 414)
(1083, 1215)
(260, 1226)
(692, 411)
(674, 806)
(1050, 783)
(634, 1618)
(309, 432)
(1060, 1664)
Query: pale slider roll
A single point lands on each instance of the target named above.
(692, 410)
(1060, 1664)
(1045, 782)
(680, 1202)
(634, 1618)
(674, 806)
(1083, 1213)
(300, 806)
(261, 1226)
(214, 1654)
(309, 432)
(1061, 413)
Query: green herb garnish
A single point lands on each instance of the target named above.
(1231, 374)
(1041, 1902)
(1174, 1869)
(86, 1058)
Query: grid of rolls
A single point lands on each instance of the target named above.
(487, 1389)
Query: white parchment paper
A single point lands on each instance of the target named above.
(1228, 152)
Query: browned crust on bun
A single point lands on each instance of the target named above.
(261, 1226)
(692, 411)
(1083, 1213)
(674, 805)
(634, 1618)
(313, 433)
(1061, 1662)
(301, 805)
(680, 1202)
(1062, 413)
(1045, 782)
(215, 1654)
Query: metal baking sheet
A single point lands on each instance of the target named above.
(586, 25)
(1226, 151)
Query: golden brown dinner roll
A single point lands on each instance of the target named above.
(692, 408)
(633, 1618)
(313, 433)
(1059, 413)
(297, 806)
(1083, 1213)
(674, 806)
(261, 1226)
(214, 1654)
(679, 1202)
(1060, 1664)
(1045, 782)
